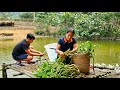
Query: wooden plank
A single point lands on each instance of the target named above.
(22, 71)
(27, 69)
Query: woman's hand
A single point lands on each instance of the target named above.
(62, 54)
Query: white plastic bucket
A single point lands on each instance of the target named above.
(51, 51)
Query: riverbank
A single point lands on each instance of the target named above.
(15, 33)
(15, 37)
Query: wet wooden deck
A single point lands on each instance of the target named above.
(98, 72)
(23, 70)
(103, 73)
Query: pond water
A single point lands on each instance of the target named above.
(107, 52)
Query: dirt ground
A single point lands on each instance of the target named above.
(16, 33)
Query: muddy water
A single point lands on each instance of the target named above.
(6, 46)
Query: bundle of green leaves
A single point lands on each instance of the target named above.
(86, 47)
(55, 70)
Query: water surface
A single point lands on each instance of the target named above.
(107, 52)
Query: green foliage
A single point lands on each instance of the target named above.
(86, 47)
(101, 23)
(55, 70)
(48, 18)
(62, 31)
(87, 25)
(5, 15)
(39, 32)
(26, 15)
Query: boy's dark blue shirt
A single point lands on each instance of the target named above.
(20, 48)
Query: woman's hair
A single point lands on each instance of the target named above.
(71, 30)
(30, 36)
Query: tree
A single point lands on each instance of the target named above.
(26, 15)
(5, 15)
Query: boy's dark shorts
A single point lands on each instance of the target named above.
(20, 57)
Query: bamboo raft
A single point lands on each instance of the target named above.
(100, 71)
